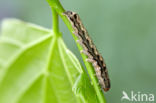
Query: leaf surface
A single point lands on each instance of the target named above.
(36, 67)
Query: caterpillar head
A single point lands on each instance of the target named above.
(72, 16)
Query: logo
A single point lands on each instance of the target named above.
(137, 97)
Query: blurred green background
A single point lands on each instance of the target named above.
(124, 31)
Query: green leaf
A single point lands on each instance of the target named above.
(36, 67)
(83, 89)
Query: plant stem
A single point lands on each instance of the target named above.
(55, 22)
(59, 9)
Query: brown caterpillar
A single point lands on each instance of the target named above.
(89, 49)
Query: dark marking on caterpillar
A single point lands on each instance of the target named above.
(89, 49)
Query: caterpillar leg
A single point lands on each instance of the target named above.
(90, 60)
(74, 32)
(79, 41)
(84, 52)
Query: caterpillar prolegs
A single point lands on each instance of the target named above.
(89, 49)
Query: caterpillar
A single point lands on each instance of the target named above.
(89, 49)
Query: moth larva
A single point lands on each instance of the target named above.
(89, 49)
